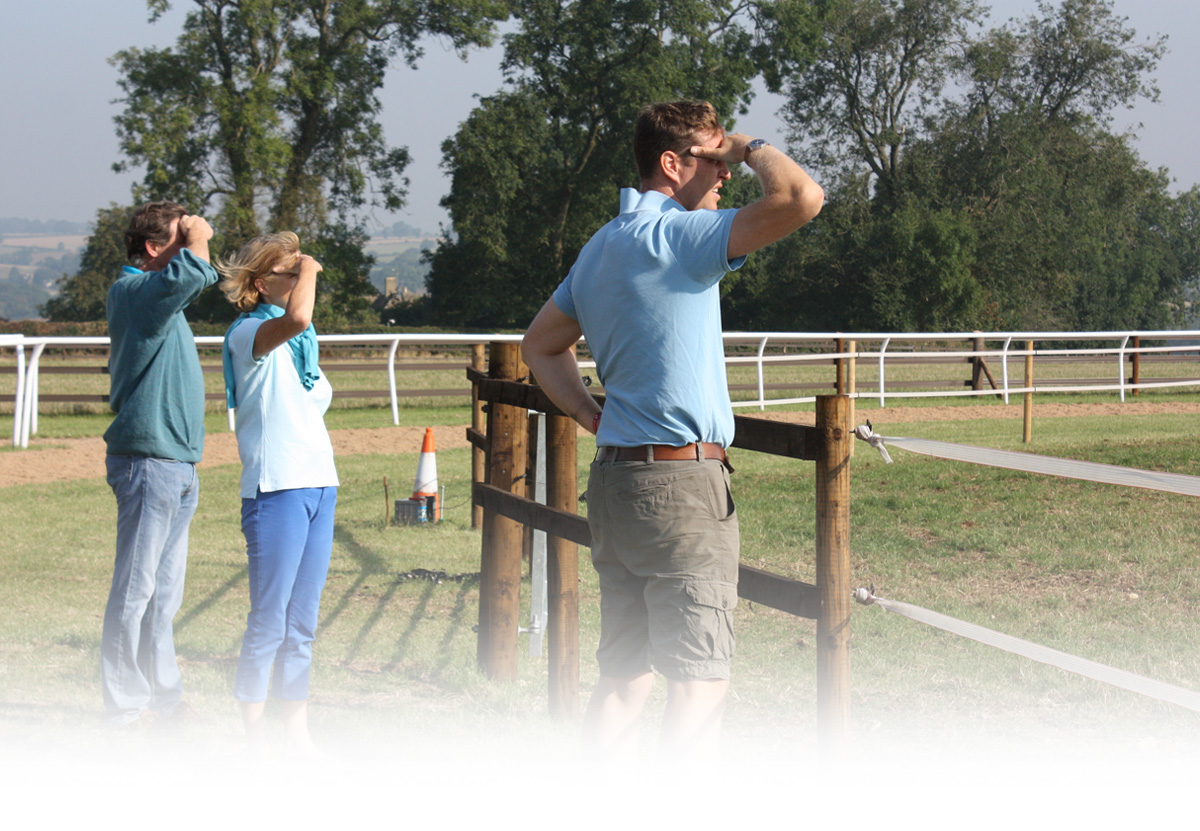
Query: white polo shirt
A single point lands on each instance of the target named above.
(281, 433)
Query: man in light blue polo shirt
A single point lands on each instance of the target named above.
(645, 293)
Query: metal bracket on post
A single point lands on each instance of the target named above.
(539, 590)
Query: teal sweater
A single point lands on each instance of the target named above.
(157, 388)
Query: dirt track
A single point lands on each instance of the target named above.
(56, 460)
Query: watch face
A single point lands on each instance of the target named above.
(756, 143)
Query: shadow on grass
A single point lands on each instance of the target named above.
(213, 597)
(369, 564)
(414, 619)
(455, 620)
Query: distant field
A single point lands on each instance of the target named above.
(386, 247)
(379, 246)
(50, 242)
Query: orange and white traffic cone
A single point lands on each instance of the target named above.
(426, 484)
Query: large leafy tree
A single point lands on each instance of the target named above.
(264, 116)
(1069, 219)
(881, 69)
(536, 168)
(1012, 205)
(876, 258)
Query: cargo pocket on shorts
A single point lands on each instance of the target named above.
(712, 618)
(712, 594)
(710, 638)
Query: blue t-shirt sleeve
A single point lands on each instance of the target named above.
(700, 240)
(563, 298)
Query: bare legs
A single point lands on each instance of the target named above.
(691, 724)
(692, 721)
(295, 729)
(610, 723)
(254, 719)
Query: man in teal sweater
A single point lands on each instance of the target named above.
(154, 444)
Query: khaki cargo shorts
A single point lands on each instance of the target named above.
(665, 545)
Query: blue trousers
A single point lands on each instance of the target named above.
(289, 539)
(156, 499)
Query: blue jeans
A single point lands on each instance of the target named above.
(289, 539)
(156, 499)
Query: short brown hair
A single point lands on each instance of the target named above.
(255, 259)
(150, 223)
(676, 125)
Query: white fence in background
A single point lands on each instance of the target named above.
(768, 348)
(20, 433)
(1011, 345)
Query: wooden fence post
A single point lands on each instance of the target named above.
(833, 571)
(977, 364)
(500, 568)
(478, 423)
(562, 570)
(851, 386)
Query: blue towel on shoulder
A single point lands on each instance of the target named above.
(303, 348)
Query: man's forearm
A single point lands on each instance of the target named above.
(200, 249)
(790, 196)
(781, 178)
(547, 350)
(558, 375)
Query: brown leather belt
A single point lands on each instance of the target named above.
(662, 453)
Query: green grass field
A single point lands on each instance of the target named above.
(1101, 572)
(943, 730)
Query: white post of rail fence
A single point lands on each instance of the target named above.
(882, 349)
(30, 408)
(34, 381)
(762, 396)
(1004, 366)
(392, 381)
(19, 393)
(1121, 368)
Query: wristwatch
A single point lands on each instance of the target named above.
(755, 144)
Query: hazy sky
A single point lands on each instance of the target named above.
(58, 144)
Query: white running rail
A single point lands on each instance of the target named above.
(760, 349)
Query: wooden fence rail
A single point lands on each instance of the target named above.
(506, 510)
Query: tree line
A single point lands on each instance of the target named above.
(974, 177)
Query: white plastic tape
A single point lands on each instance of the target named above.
(1049, 465)
(1042, 654)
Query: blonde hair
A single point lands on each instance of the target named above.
(253, 260)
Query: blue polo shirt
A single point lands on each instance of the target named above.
(645, 291)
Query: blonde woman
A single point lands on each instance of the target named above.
(289, 482)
